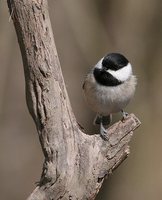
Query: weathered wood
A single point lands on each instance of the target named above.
(75, 163)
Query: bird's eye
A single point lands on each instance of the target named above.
(105, 68)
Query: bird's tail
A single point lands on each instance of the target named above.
(106, 120)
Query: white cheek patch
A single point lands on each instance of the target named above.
(122, 74)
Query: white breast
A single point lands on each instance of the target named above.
(104, 99)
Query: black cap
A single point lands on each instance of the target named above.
(114, 61)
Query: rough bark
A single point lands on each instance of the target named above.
(75, 163)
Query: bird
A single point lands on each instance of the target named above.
(108, 88)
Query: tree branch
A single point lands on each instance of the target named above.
(75, 163)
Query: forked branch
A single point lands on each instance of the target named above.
(75, 163)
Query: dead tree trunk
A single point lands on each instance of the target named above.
(75, 163)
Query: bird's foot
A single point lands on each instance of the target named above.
(125, 115)
(103, 133)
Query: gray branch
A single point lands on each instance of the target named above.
(75, 164)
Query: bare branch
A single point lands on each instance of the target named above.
(75, 163)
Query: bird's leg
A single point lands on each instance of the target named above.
(124, 114)
(106, 120)
(103, 131)
(97, 120)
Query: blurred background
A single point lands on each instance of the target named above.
(84, 32)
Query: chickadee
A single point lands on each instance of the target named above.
(108, 88)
